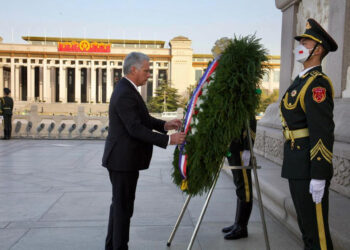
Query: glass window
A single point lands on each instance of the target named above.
(198, 75)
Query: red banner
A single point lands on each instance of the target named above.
(84, 46)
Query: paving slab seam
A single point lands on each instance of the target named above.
(7, 225)
(19, 239)
(53, 204)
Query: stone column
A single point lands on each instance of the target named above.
(337, 63)
(46, 83)
(12, 81)
(77, 83)
(99, 85)
(41, 83)
(52, 71)
(31, 84)
(16, 88)
(109, 83)
(155, 78)
(289, 20)
(88, 83)
(93, 84)
(1, 78)
(63, 87)
(30, 81)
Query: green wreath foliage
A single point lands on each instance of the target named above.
(230, 101)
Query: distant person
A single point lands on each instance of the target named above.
(129, 145)
(6, 108)
(308, 127)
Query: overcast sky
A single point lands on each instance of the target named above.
(202, 21)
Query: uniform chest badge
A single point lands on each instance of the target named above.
(319, 94)
(294, 93)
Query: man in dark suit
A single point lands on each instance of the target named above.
(129, 145)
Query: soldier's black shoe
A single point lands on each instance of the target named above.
(229, 229)
(237, 233)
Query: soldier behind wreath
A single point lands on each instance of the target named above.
(308, 126)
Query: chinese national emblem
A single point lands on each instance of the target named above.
(319, 94)
(294, 92)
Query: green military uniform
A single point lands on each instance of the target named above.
(7, 107)
(242, 179)
(308, 126)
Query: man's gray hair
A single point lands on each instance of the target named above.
(134, 59)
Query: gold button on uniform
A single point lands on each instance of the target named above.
(298, 147)
(319, 158)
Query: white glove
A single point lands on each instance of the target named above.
(246, 157)
(317, 189)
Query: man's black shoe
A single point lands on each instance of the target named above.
(229, 229)
(238, 233)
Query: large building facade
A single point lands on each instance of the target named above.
(79, 70)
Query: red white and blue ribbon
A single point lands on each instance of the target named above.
(191, 110)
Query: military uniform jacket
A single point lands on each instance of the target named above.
(238, 145)
(6, 105)
(308, 103)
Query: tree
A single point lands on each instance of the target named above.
(220, 45)
(165, 99)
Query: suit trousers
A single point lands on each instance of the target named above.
(121, 209)
(312, 218)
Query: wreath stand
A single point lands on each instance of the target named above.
(257, 186)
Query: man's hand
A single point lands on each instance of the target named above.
(317, 189)
(246, 157)
(177, 138)
(173, 124)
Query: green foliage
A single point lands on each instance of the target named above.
(230, 101)
(166, 99)
(267, 98)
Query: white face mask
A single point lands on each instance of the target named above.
(301, 53)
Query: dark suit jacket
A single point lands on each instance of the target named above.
(130, 139)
